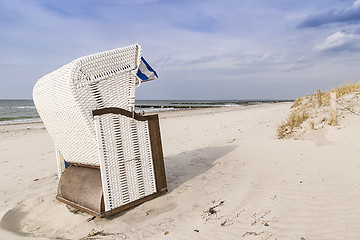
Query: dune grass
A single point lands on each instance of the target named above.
(296, 118)
(302, 106)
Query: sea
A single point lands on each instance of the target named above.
(24, 111)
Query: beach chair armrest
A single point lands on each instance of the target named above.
(134, 115)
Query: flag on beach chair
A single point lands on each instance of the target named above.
(146, 72)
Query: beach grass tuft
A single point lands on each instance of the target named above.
(295, 119)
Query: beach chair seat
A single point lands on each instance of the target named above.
(109, 158)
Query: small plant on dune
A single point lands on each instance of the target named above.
(312, 125)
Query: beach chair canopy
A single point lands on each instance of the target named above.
(66, 98)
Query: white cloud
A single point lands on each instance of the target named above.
(356, 4)
(339, 41)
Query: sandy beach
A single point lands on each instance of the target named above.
(229, 177)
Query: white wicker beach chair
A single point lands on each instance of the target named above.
(109, 158)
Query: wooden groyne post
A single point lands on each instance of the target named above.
(333, 120)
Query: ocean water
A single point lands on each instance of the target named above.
(18, 111)
(24, 111)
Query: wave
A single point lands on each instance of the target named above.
(8, 121)
(18, 107)
(171, 107)
(25, 107)
(16, 118)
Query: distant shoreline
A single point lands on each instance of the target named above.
(23, 111)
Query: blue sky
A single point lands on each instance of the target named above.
(201, 49)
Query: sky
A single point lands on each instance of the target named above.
(201, 49)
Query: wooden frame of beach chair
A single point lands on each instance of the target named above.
(109, 158)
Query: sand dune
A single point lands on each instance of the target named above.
(229, 177)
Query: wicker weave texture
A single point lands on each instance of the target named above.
(126, 168)
(66, 98)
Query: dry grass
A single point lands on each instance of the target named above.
(340, 91)
(346, 89)
(297, 103)
(307, 107)
(296, 118)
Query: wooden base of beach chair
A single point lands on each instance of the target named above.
(80, 187)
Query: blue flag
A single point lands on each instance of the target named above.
(145, 71)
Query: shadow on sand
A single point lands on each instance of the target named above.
(187, 165)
